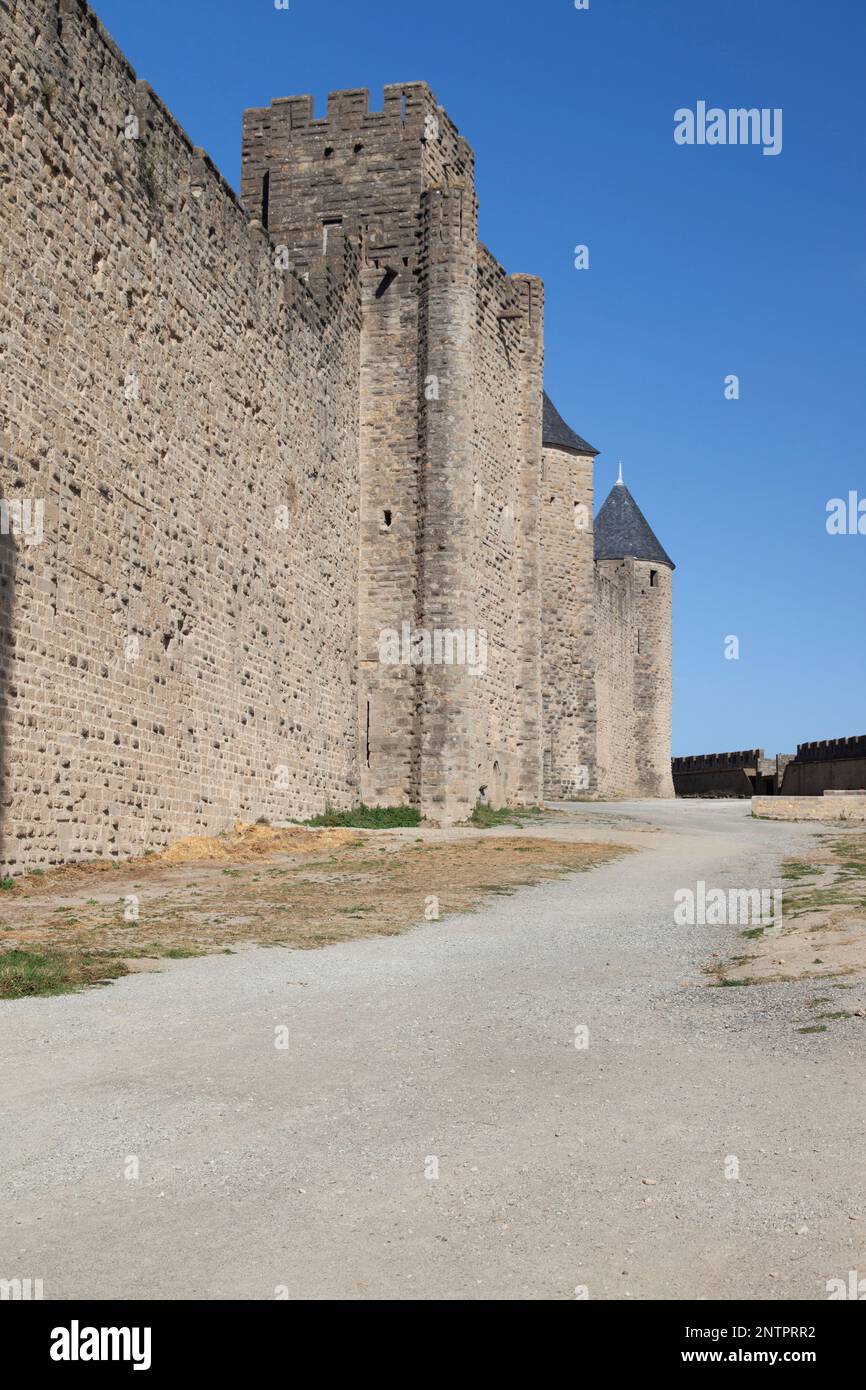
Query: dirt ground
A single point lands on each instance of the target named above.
(261, 885)
(822, 931)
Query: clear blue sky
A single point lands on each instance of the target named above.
(704, 261)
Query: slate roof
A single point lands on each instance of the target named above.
(622, 529)
(558, 435)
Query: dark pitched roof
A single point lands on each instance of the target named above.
(622, 529)
(558, 435)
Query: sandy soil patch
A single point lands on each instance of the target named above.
(823, 927)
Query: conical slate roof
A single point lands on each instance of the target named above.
(622, 529)
(556, 434)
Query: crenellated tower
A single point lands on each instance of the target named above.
(449, 433)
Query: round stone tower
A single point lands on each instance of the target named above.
(633, 651)
(567, 619)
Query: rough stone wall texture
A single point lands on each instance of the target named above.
(568, 625)
(503, 480)
(615, 643)
(178, 650)
(653, 694)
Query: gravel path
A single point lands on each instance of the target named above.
(303, 1168)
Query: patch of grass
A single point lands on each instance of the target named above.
(814, 1028)
(840, 1013)
(794, 869)
(485, 818)
(7, 884)
(752, 932)
(26, 973)
(368, 817)
(360, 887)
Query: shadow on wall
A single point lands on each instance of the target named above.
(8, 564)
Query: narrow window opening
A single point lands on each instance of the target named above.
(387, 518)
(367, 737)
(654, 579)
(403, 106)
(266, 199)
(357, 148)
(327, 224)
(329, 150)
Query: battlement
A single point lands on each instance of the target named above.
(409, 109)
(825, 750)
(706, 762)
(402, 101)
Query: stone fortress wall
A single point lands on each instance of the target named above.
(258, 434)
(179, 649)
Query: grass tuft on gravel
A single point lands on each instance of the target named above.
(485, 818)
(368, 817)
(26, 973)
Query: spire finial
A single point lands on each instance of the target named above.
(619, 481)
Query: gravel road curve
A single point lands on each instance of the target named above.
(308, 1171)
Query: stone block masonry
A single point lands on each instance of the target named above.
(180, 649)
(242, 441)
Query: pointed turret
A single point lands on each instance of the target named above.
(556, 434)
(621, 529)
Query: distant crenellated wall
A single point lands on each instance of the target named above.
(826, 765)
